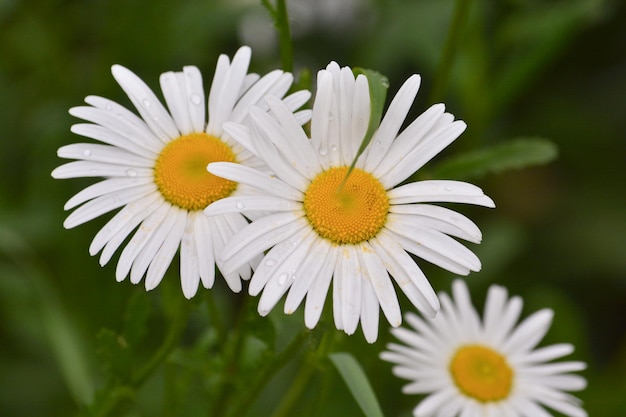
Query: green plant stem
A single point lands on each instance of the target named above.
(271, 368)
(281, 22)
(442, 76)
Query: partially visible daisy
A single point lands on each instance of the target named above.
(352, 234)
(471, 367)
(155, 169)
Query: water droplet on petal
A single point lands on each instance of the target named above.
(131, 172)
(270, 262)
(334, 148)
(195, 99)
(323, 151)
(282, 278)
(240, 206)
(87, 152)
(447, 188)
(109, 107)
(146, 103)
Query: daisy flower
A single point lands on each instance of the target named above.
(353, 233)
(491, 368)
(154, 167)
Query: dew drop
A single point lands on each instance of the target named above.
(282, 278)
(87, 152)
(131, 172)
(146, 103)
(323, 151)
(447, 188)
(270, 262)
(240, 206)
(334, 148)
(109, 107)
(195, 99)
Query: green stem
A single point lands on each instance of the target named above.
(442, 77)
(281, 22)
(271, 368)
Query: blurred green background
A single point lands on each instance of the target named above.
(524, 68)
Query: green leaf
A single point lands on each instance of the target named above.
(513, 154)
(357, 383)
(378, 85)
(113, 354)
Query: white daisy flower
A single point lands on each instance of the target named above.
(155, 169)
(490, 368)
(353, 234)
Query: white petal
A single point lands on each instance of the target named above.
(442, 219)
(189, 270)
(529, 332)
(238, 204)
(345, 96)
(258, 237)
(170, 228)
(226, 90)
(439, 191)
(176, 99)
(406, 273)
(351, 292)
(316, 297)
(360, 118)
(221, 234)
(391, 123)
(146, 103)
(377, 275)
(139, 239)
(166, 253)
(103, 204)
(103, 153)
(431, 403)
(124, 222)
(101, 188)
(254, 95)
(320, 119)
(110, 137)
(469, 315)
(296, 100)
(254, 178)
(546, 353)
(79, 169)
(204, 247)
(369, 312)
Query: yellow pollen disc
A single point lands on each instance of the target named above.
(481, 373)
(350, 215)
(180, 171)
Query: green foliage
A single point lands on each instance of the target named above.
(513, 154)
(356, 380)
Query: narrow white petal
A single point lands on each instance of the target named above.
(166, 253)
(369, 312)
(569, 409)
(103, 153)
(565, 382)
(469, 315)
(381, 284)
(254, 95)
(296, 100)
(283, 277)
(139, 239)
(254, 178)
(276, 257)
(103, 204)
(419, 156)
(110, 137)
(313, 265)
(195, 97)
(101, 188)
(124, 222)
(258, 237)
(215, 92)
(220, 235)
(529, 332)
(79, 169)
(316, 297)
(320, 119)
(249, 80)
(407, 140)
(221, 104)
(345, 96)
(352, 283)
(554, 368)
(175, 97)
(434, 401)
(204, 246)
(171, 226)
(189, 270)
(546, 353)
(241, 134)
(360, 118)
(439, 191)
(146, 103)
(502, 326)
(244, 203)
(391, 123)
(406, 273)
(442, 219)
(117, 119)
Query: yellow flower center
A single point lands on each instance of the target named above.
(481, 373)
(180, 171)
(348, 215)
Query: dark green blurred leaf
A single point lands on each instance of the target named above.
(513, 154)
(136, 317)
(357, 383)
(114, 354)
